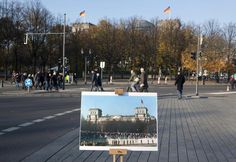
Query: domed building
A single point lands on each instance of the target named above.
(142, 25)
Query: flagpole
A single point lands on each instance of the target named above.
(168, 12)
(84, 19)
(82, 16)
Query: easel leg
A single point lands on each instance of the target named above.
(121, 158)
(114, 158)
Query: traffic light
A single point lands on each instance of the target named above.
(66, 60)
(59, 61)
(200, 54)
(193, 55)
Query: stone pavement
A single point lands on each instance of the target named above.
(191, 129)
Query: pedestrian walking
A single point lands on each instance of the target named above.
(31, 77)
(23, 78)
(232, 81)
(75, 78)
(60, 80)
(54, 81)
(13, 77)
(143, 81)
(93, 79)
(17, 80)
(47, 81)
(179, 82)
(98, 82)
(134, 81)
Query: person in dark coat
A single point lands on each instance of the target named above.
(98, 82)
(179, 81)
(93, 78)
(54, 81)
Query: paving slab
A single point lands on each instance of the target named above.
(191, 129)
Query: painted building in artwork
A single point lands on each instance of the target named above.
(141, 114)
(132, 141)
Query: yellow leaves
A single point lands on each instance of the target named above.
(187, 62)
(210, 64)
(215, 65)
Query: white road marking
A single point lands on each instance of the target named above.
(76, 109)
(49, 117)
(37, 121)
(67, 112)
(215, 93)
(25, 124)
(59, 114)
(10, 129)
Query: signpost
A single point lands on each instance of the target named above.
(102, 66)
(28, 84)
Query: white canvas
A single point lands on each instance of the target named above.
(128, 121)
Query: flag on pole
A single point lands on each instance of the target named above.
(82, 13)
(167, 10)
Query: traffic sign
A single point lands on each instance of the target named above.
(28, 83)
(102, 64)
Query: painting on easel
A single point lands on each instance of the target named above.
(127, 121)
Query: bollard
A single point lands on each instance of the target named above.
(227, 88)
(159, 80)
(110, 79)
(1, 83)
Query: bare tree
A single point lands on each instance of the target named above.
(37, 20)
(229, 34)
(214, 45)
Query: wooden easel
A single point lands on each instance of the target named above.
(120, 152)
(119, 91)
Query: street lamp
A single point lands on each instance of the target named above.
(82, 53)
(85, 64)
(63, 45)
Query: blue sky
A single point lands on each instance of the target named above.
(197, 11)
(118, 105)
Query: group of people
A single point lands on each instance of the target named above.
(96, 80)
(138, 83)
(40, 80)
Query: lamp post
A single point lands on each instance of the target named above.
(64, 40)
(199, 43)
(85, 64)
(63, 44)
(82, 53)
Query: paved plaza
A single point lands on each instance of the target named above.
(191, 129)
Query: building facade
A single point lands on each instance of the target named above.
(141, 114)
